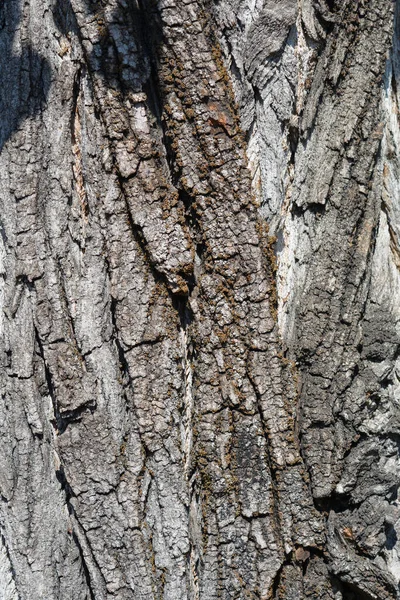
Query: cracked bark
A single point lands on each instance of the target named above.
(199, 286)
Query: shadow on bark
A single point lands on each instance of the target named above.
(25, 83)
(135, 27)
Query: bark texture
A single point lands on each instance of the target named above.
(200, 299)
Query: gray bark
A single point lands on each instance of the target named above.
(200, 299)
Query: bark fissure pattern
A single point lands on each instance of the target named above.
(199, 288)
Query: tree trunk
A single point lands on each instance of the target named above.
(200, 290)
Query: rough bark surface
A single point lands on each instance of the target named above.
(200, 299)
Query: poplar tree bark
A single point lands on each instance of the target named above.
(200, 299)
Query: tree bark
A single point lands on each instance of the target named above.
(200, 299)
